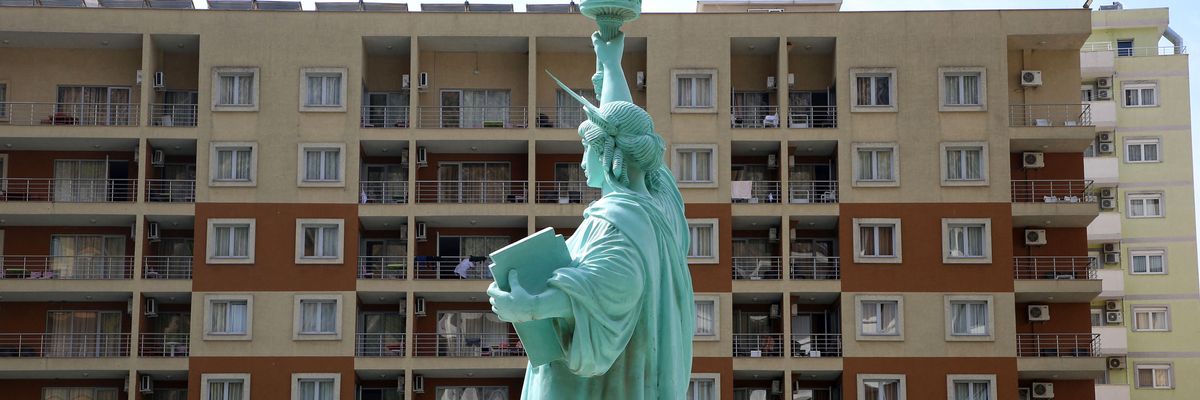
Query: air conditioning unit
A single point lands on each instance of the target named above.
(1105, 148)
(418, 384)
(1113, 317)
(772, 161)
(405, 81)
(146, 384)
(422, 156)
(419, 306)
(791, 80)
(770, 82)
(420, 231)
(1039, 313)
(1103, 94)
(641, 80)
(1035, 237)
(423, 81)
(151, 310)
(1033, 159)
(773, 234)
(1112, 305)
(158, 158)
(1104, 137)
(776, 387)
(1042, 390)
(1108, 193)
(774, 311)
(152, 231)
(160, 80)
(1104, 82)
(1031, 78)
(1108, 204)
(1116, 363)
(1111, 247)
(1112, 258)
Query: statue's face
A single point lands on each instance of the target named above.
(593, 168)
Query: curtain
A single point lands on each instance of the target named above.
(236, 89)
(883, 160)
(953, 94)
(88, 256)
(224, 390)
(315, 91)
(863, 85)
(568, 113)
(481, 106)
(316, 389)
(881, 390)
(80, 180)
(233, 241)
(879, 317)
(701, 241)
(705, 317)
(684, 92)
(318, 316)
(321, 241)
(481, 246)
(79, 393)
(882, 88)
(970, 89)
(466, 333)
(969, 318)
(701, 389)
(228, 317)
(233, 164)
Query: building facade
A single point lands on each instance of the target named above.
(1135, 78)
(266, 204)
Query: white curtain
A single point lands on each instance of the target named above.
(80, 180)
(964, 164)
(466, 333)
(316, 389)
(693, 91)
(705, 316)
(568, 113)
(324, 90)
(693, 165)
(228, 317)
(969, 318)
(971, 391)
(235, 89)
(233, 241)
(879, 317)
(962, 89)
(318, 316)
(321, 165)
(701, 389)
(875, 164)
(966, 241)
(79, 393)
(233, 164)
(88, 256)
(481, 246)
(701, 241)
(321, 241)
(881, 390)
(481, 106)
(224, 390)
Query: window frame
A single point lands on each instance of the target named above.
(306, 72)
(1148, 253)
(302, 150)
(949, 223)
(855, 148)
(897, 241)
(208, 334)
(1169, 366)
(297, 377)
(945, 72)
(716, 324)
(945, 147)
(211, 237)
(715, 243)
(677, 160)
(1143, 142)
(861, 379)
(217, 72)
(952, 379)
(341, 245)
(1139, 86)
(950, 300)
(714, 377)
(712, 90)
(858, 316)
(1164, 309)
(213, 171)
(4, 89)
(1130, 197)
(206, 378)
(874, 72)
(298, 316)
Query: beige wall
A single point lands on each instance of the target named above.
(34, 74)
(271, 328)
(456, 70)
(924, 320)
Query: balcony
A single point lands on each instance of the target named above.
(1062, 202)
(466, 344)
(1058, 345)
(815, 268)
(1049, 115)
(1153, 51)
(754, 117)
(383, 192)
(1056, 128)
(69, 114)
(1114, 340)
(476, 192)
(68, 190)
(817, 345)
(1054, 268)
(805, 192)
(167, 267)
(757, 344)
(173, 115)
(382, 267)
(560, 117)
(379, 344)
(1055, 279)
(505, 117)
(374, 116)
(439, 268)
(64, 345)
(805, 117)
(67, 267)
(566, 192)
(168, 345)
(755, 192)
(757, 268)
(171, 190)
(1097, 59)
(1112, 392)
(1052, 191)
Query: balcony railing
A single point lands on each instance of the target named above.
(1052, 191)
(451, 269)
(804, 117)
(1046, 268)
(1046, 115)
(167, 267)
(64, 345)
(472, 191)
(757, 268)
(754, 116)
(68, 190)
(67, 267)
(817, 345)
(462, 344)
(385, 116)
(382, 267)
(171, 190)
(813, 192)
(379, 345)
(566, 192)
(1151, 51)
(758, 345)
(69, 114)
(1058, 345)
(183, 115)
(383, 192)
(163, 345)
(815, 268)
(472, 117)
(755, 192)
(560, 117)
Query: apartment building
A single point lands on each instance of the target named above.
(259, 203)
(1135, 78)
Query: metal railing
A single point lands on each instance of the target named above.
(817, 345)
(1096, 46)
(68, 190)
(67, 267)
(1058, 345)
(1046, 115)
(1052, 191)
(815, 268)
(804, 117)
(379, 344)
(756, 192)
(64, 345)
(69, 114)
(1054, 267)
(813, 191)
(163, 345)
(384, 116)
(757, 268)
(383, 192)
(1152, 51)
(559, 117)
(183, 115)
(167, 267)
(472, 191)
(451, 269)
(754, 116)
(758, 345)
(472, 117)
(566, 192)
(462, 344)
(382, 267)
(171, 190)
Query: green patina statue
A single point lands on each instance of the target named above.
(621, 310)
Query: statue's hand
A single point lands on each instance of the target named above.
(515, 305)
(611, 50)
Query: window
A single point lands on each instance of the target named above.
(966, 240)
(1151, 318)
(1140, 94)
(1087, 92)
(1155, 376)
(1125, 48)
(1142, 150)
(879, 317)
(963, 89)
(964, 163)
(321, 164)
(230, 241)
(971, 387)
(704, 387)
(877, 240)
(228, 317)
(322, 89)
(235, 89)
(315, 386)
(881, 387)
(703, 246)
(1097, 317)
(233, 164)
(225, 386)
(1145, 205)
(875, 164)
(874, 89)
(319, 241)
(317, 317)
(79, 393)
(693, 90)
(3, 99)
(694, 165)
(969, 317)
(707, 317)
(1150, 262)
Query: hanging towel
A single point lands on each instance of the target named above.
(741, 189)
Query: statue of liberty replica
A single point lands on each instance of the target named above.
(617, 315)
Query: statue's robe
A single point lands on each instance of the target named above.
(630, 291)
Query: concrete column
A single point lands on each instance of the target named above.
(785, 315)
(531, 189)
(531, 101)
(785, 171)
(149, 65)
(781, 82)
(414, 101)
(410, 245)
(408, 344)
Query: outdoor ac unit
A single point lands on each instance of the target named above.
(1108, 204)
(1042, 390)
(1104, 82)
(152, 231)
(1116, 363)
(160, 80)
(1112, 305)
(1031, 78)
(1106, 148)
(151, 307)
(419, 306)
(1112, 317)
(776, 387)
(423, 81)
(422, 156)
(1105, 137)
(420, 231)
(1103, 94)
(791, 80)
(641, 80)
(773, 234)
(418, 384)
(1039, 313)
(774, 311)
(1035, 237)
(146, 384)
(770, 82)
(158, 158)
(1112, 258)
(1111, 247)
(405, 81)
(1033, 159)
(772, 161)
